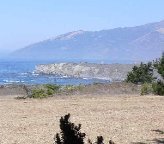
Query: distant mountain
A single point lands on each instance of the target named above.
(140, 43)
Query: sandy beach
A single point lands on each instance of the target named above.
(124, 119)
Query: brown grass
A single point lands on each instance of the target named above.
(124, 119)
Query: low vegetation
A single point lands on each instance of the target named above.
(46, 91)
(146, 89)
(72, 88)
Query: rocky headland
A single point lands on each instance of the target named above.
(112, 72)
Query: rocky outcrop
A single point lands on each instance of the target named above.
(112, 72)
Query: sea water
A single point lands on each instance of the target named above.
(22, 72)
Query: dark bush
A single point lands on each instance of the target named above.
(100, 140)
(70, 133)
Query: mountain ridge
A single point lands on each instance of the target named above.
(144, 42)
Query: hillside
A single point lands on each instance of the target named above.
(138, 43)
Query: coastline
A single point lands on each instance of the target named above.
(112, 72)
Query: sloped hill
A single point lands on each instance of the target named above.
(138, 43)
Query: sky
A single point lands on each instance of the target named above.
(23, 22)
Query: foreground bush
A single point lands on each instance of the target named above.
(70, 133)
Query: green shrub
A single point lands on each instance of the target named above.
(158, 88)
(53, 87)
(50, 92)
(146, 89)
(141, 74)
(45, 91)
(38, 93)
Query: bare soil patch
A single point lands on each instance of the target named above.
(124, 119)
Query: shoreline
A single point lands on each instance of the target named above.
(112, 72)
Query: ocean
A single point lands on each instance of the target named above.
(22, 72)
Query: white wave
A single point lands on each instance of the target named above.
(34, 74)
(86, 78)
(13, 81)
(23, 73)
(64, 76)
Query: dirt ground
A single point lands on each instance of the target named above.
(124, 119)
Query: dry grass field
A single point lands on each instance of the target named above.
(124, 119)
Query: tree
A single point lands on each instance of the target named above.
(141, 74)
(159, 65)
(158, 87)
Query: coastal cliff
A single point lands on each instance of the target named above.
(112, 72)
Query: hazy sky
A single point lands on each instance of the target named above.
(23, 22)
